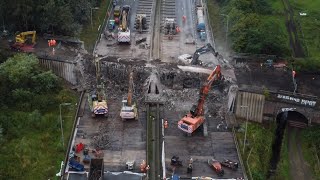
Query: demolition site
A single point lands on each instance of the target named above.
(158, 100)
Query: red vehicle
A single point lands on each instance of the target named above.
(216, 165)
(195, 118)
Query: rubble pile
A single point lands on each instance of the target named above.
(105, 137)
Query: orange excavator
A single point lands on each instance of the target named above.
(195, 118)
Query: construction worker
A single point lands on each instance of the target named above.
(189, 169)
(165, 124)
(143, 166)
(184, 18)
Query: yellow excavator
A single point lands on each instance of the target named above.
(23, 37)
(22, 41)
(97, 100)
(129, 109)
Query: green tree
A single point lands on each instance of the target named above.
(1, 134)
(45, 82)
(19, 69)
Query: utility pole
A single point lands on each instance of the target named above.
(61, 127)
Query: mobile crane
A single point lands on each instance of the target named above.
(129, 109)
(97, 101)
(191, 121)
(124, 30)
(207, 48)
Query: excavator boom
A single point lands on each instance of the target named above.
(130, 90)
(215, 75)
(207, 48)
(129, 109)
(195, 117)
(98, 102)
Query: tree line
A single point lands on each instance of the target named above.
(25, 87)
(254, 28)
(63, 17)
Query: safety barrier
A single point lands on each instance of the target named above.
(76, 120)
(237, 146)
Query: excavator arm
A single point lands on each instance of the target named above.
(129, 100)
(214, 76)
(207, 48)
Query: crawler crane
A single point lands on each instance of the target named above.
(129, 109)
(97, 100)
(191, 121)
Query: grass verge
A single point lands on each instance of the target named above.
(36, 151)
(310, 140)
(90, 33)
(309, 24)
(283, 169)
(259, 141)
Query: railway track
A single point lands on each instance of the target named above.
(154, 139)
(145, 7)
(155, 39)
(168, 10)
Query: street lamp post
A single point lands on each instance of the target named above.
(227, 28)
(61, 127)
(91, 15)
(245, 133)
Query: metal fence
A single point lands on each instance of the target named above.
(101, 27)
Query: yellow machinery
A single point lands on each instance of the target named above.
(129, 109)
(23, 37)
(97, 101)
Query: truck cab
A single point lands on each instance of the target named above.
(116, 11)
(203, 35)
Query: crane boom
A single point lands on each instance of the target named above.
(130, 89)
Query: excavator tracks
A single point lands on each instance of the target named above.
(145, 7)
(168, 10)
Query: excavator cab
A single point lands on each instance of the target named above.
(94, 97)
(193, 110)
